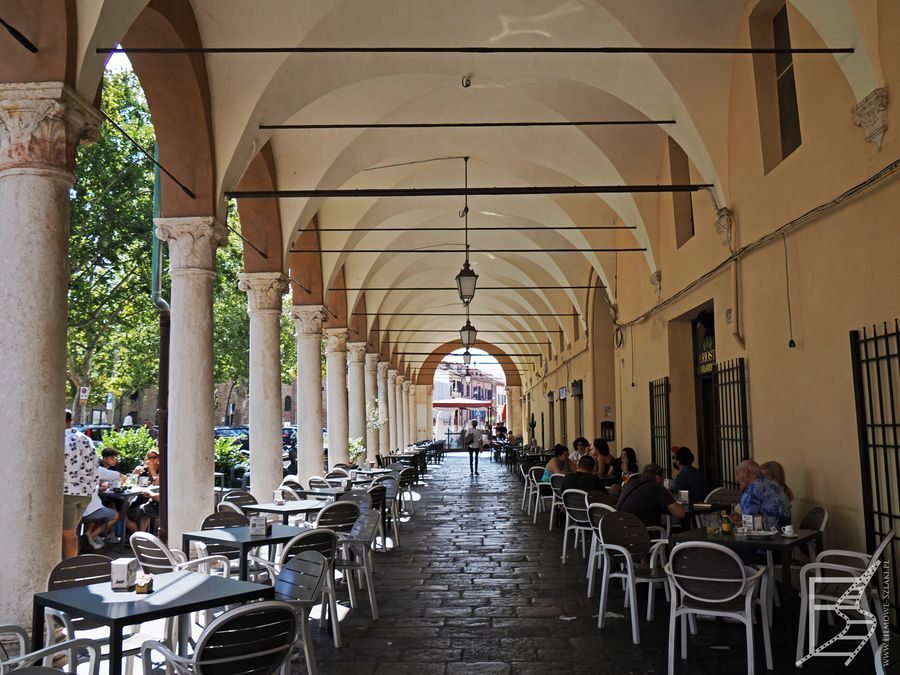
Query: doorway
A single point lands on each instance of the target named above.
(552, 417)
(704, 344)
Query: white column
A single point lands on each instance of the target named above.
(264, 291)
(513, 409)
(336, 391)
(408, 393)
(308, 321)
(401, 411)
(424, 412)
(384, 431)
(393, 442)
(192, 257)
(371, 398)
(356, 390)
(41, 125)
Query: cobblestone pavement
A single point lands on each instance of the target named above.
(475, 587)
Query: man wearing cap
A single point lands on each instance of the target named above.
(689, 477)
(79, 484)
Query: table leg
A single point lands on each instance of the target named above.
(245, 551)
(787, 600)
(115, 650)
(184, 634)
(37, 626)
(284, 518)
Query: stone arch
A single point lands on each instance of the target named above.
(305, 268)
(177, 91)
(513, 378)
(51, 26)
(261, 218)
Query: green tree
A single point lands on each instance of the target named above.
(112, 336)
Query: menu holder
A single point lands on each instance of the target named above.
(259, 526)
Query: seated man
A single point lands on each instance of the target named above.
(761, 496)
(584, 479)
(689, 478)
(646, 497)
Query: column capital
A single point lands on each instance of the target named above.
(264, 290)
(383, 368)
(356, 352)
(407, 384)
(391, 375)
(335, 340)
(513, 389)
(42, 125)
(308, 319)
(429, 390)
(371, 362)
(192, 240)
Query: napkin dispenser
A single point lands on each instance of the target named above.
(259, 526)
(124, 573)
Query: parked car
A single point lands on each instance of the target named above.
(94, 431)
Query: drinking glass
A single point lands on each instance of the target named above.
(770, 523)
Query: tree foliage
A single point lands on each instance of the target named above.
(113, 338)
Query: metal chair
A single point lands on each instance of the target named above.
(595, 512)
(575, 504)
(356, 556)
(392, 507)
(338, 516)
(23, 664)
(300, 583)
(317, 482)
(157, 558)
(361, 499)
(224, 507)
(257, 638)
(378, 499)
(710, 580)
(407, 478)
(626, 548)
(239, 498)
(724, 495)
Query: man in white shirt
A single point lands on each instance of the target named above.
(79, 483)
(473, 445)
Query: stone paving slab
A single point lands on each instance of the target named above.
(475, 587)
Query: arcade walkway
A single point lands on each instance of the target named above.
(476, 588)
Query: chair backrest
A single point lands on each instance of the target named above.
(222, 519)
(575, 502)
(338, 516)
(342, 467)
(535, 474)
(390, 483)
(290, 495)
(239, 497)
(814, 519)
(318, 482)
(153, 555)
(407, 476)
(879, 552)
(302, 577)
(292, 483)
(595, 512)
(365, 527)
(625, 530)
(706, 571)
(361, 499)
(229, 507)
(724, 495)
(377, 494)
(321, 540)
(556, 481)
(379, 460)
(338, 474)
(254, 639)
(79, 571)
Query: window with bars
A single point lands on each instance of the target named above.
(732, 437)
(660, 429)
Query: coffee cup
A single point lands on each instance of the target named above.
(788, 530)
(684, 496)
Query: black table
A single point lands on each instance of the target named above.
(174, 594)
(240, 539)
(777, 543)
(288, 508)
(334, 492)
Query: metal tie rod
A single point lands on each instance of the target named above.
(463, 125)
(508, 190)
(462, 250)
(474, 50)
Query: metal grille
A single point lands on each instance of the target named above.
(660, 430)
(731, 433)
(875, 355)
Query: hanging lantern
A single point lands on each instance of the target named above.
(467, 334)
(466, 281)
(467, 358)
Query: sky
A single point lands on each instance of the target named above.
(480, 360)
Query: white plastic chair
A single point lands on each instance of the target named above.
(575, 504)
(710, 580)
(596, 511)
(69, 647)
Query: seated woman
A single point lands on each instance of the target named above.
(579, 449)
(145, 506)
(775, 473)
(602, 459)
(559, 463)
(629, 462)
(623, 467)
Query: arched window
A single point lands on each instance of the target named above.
(288, 404)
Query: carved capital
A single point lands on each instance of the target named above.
(870, 115)
(724, 224)
(192, 241)
(264, 289)
(392, 377)
(42, 125)
(356, 352)
(335, 340)
(383, 369)
(514, 392)
(429, 392)
(308, 319)
(371, 362)
(656, 281)
(406, 386)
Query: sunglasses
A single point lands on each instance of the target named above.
(152, 456)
